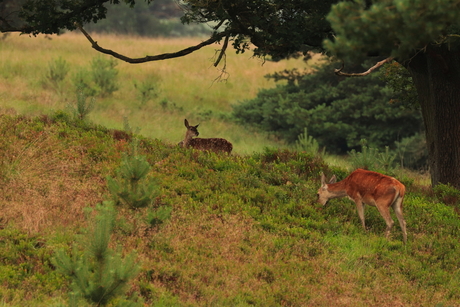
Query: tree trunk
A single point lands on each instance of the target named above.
(436, 75)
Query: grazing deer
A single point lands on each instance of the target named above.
(371, 188)
(211, 144)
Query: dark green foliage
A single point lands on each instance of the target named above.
(398, 78)
(52, 16)
(337, 111)
(423, 36)
(382, 27)
(279, 29)
(274, 30)
(412, 152)
(98, 274)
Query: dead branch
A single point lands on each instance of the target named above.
(149, 58)
(339, 72)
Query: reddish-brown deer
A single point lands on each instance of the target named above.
(371, 188)
(211, 144)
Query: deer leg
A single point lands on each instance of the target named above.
(397, 207)
(360, 208)
(385, 213)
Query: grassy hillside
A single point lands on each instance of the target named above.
(244, 230)
(189, 87)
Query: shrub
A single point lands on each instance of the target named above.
(412, 152)
(104, 75)
(339, 111)
(308, 144)
(447, 194)
(158, 216)
(83, 83)
(57, 71)
(372, 159)
(100, 80)
(147, 90)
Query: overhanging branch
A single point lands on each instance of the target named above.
(151, 58)
(222, 51)
(377, 65)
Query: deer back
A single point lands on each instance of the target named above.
(211, 144)
(370, 185)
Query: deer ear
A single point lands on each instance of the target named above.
(323, 179)
(186, 123)
(333, 179)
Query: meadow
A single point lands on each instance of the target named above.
(244, 229)
(189, 87)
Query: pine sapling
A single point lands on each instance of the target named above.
(132, 187)
(98, 274)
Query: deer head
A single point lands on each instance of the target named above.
(323, 193)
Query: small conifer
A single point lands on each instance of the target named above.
(98, 274)
(132, 187)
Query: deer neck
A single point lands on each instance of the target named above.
(337, 189)
(187, 139)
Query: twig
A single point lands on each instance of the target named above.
(340, 73)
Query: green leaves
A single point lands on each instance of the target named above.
(276, 28)
(53, 16)
(397, 28)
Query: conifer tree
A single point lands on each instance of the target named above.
(98, 274)
(132, 187)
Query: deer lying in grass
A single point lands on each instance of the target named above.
(211, 144)
(371, 188)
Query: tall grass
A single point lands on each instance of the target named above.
(188, 87)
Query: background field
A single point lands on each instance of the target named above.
(189, 87)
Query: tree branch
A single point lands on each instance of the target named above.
(222, 51)
(215, 37)
(339, 72)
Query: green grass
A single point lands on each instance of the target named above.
(245, 229)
